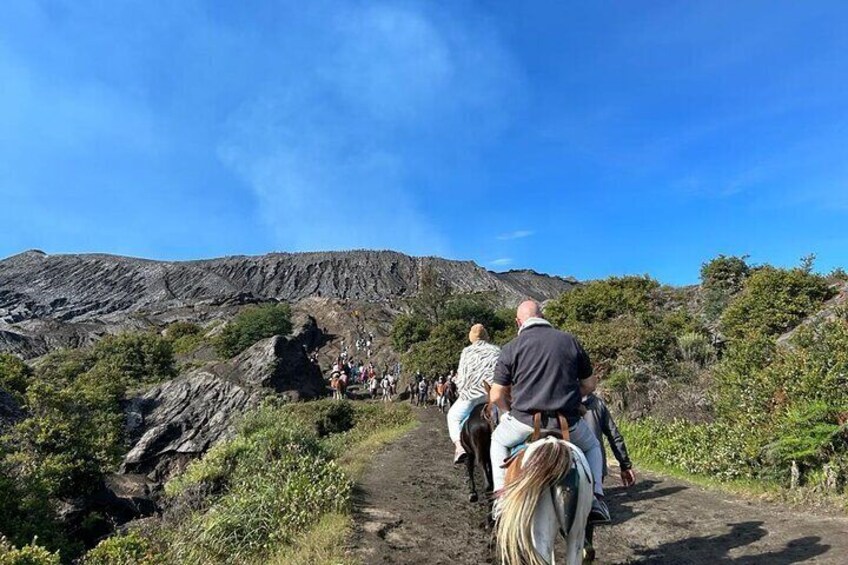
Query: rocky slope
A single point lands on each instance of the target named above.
(49, 301)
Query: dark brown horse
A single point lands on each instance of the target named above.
(476, 439)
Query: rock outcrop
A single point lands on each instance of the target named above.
(74, 288)
(179, 420)
(53, 301)
(10, 412)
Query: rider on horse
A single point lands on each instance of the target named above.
(543, 372)
(476, 366)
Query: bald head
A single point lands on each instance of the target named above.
(528, 309)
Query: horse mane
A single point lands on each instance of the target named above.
(543, 463)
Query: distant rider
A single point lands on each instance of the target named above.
(545, 371)
(476, 366)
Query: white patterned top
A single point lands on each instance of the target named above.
(476, 365)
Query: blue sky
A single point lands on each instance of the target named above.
(576, 138)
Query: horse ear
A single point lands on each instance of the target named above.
(487, 387)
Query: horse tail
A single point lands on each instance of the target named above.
(544, 463)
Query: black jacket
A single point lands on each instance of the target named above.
(601, 423)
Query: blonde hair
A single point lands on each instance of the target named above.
(478, 331)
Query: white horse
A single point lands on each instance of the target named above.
(548, 490)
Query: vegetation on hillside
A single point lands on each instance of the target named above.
(254, 497)
(762, 407)
(432, 335)
(771, 405)
(72, 435)
(251, 325)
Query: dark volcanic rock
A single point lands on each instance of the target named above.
(75, 288)
(10, 412)
(181, 419)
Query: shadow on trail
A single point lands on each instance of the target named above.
(620, 499)
(716, 549)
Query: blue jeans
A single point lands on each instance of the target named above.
(510, 432)
(459, 412)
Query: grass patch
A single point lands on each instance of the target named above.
(279, 492)
(323, 544)
(646, 458)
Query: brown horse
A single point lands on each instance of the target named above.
(339, 387)
(476, 440)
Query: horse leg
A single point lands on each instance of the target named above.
(470, 462)
(589, 544)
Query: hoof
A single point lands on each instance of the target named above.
(472, 497)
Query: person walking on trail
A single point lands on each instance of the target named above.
(543, 371)
(387, 389)
(423, 389)
(441, 393)
(372, 387)
(476, 367)
(599, 420)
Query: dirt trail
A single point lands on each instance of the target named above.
(412, 508)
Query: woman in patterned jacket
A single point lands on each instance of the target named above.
(476, 366)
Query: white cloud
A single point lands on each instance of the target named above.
(517, 234)
(502, 262)
(336, 147)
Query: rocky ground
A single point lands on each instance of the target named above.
(411, 508)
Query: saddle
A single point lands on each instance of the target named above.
(562, 433)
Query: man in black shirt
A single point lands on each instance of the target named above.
(545, 371)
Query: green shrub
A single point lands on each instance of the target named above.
(407, 330)
(774, 300)
(251, 325)
(272, 481)
(180, 329)
(62, 367)
(473, 309)
(695, 348)
(74, 432)
(622, 325)
(123, 549)
(721, 279)
(440, 352)
(30, 554)
(719, 450)
(14, 375)
(142, 358)
(326, 417)
(617, 380)
(810, 435)
(603, 300)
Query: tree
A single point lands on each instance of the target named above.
(774, 300)
(407, 330)
(722, 279)
(603, 300)
(439, 353)
(14, 375)
(139, 357)
(253, 324)
(433, 295)
(472, 309)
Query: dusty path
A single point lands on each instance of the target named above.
(412, 509)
